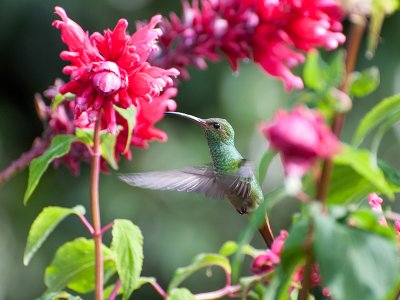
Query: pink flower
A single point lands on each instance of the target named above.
(206, 29)
(302, 137)
(288, 28)
(268, 260)
(376, 205)
(397, 226)
(110, 69)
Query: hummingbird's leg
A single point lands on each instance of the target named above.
(242, 210)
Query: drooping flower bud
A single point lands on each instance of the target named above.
(301, 136)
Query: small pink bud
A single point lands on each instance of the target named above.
(107, 78)
(397, 226)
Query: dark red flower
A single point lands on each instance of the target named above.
(205, 30)
(302, 137)
(268, 260)
(110, 69)
(288, 28)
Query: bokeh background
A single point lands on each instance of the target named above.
(176, 226)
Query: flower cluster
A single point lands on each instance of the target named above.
(276, 34)
(203, 31)
(375, 202)
(301, 136)
(110, 69)
(288, 28)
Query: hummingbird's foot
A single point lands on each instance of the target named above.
(242, 210)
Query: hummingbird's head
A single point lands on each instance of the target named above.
(216, 130)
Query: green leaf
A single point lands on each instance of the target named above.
(180, 294)
(374, 117)
(44, 224)
(379, 8)
(264, 164)
(347, 186)
(319, 75)
(367, 220)
(392, 174)
(354, 264)
(365, 82)
(199, 262)
(107, 149)
(230, 247)
(129, 114)
(73, 267)
(127, 246)
(59, 146)
(364, 164)
(58, 295)
(84, 135)
(59, 98)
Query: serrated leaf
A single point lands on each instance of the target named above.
(364, 164)
(129, 114)
(73, 266)
(180, 294)
(365, 82)
(199, 262)
(107, 149)
(383, 110)
(264, 164)
(379, 9)
(354, 263)
(44, 224)
(127, 246)
(59, 146)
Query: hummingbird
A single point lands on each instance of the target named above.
(229, 176)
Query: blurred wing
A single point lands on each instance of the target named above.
(239, 182)
(201, 180)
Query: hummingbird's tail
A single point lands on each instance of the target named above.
(266, 232)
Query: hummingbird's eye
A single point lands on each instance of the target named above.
(217, 125)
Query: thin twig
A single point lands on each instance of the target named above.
(107, 227)
(159, 289)
(87, 224)
(115, 290)
(38, 147)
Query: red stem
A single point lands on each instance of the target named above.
(159, 289)
(87, 224)
(95, 207)
(114, 292)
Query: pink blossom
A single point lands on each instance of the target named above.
(302, 137)
(376, 205)
(288, 28)
(268, 260)
(110, 69)
(397, 226)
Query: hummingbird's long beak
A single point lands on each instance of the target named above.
(197, 120)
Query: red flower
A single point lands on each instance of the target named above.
(268, 260)
(287, 28)
(110, 69)
(302, 137)
(205, 30)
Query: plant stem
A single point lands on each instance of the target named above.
(306, 280)
(114, 292)
(95, 207)
(354, 41)
(227, 290)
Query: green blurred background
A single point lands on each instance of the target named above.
(175, 226)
